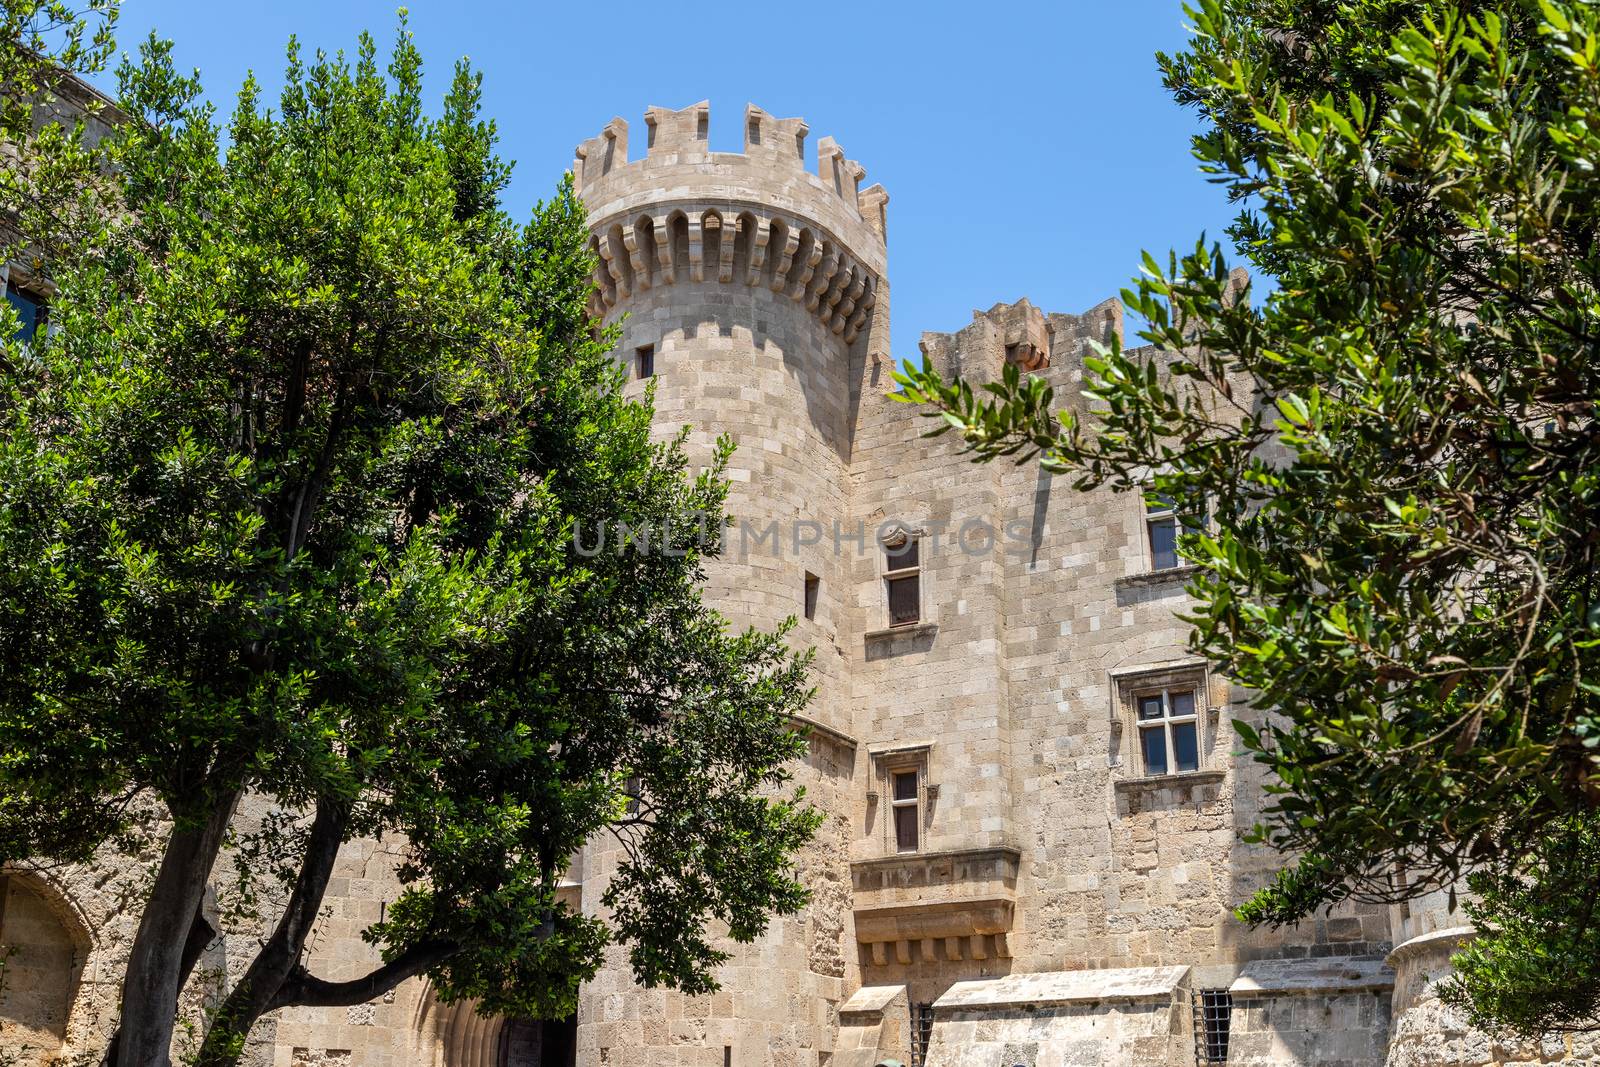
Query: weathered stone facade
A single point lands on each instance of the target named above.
(1060, 904)
(1007, 875)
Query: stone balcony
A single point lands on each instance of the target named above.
(936, 905)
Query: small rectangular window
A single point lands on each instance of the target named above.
(1154, 745)
(1169, 731)
(904, 802)
(813, 588)
(644, 362)
(903, 596)
(901, 556)
(1161, 527)
(30, 308)
(902, 579)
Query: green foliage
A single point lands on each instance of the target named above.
(43, 42)
(1399, 449)
(288, 504)
(51, 185)
(1526, 972)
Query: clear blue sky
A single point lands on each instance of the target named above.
(1028, 148)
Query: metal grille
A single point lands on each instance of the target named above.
(1213, 1012)
(921, 1033)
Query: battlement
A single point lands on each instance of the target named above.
(678, 169)
(674, 136)
(684, 213)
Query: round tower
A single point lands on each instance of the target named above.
(752, 290)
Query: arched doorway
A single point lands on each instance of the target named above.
(466, 1039)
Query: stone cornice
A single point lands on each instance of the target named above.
(1436, 941)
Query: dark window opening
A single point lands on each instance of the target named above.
(904, 594)
(534, 1043)
(902, 556)
(813, 588)
(1213, 1010)
(1162, 528)
(921, 1033)
(904, 802)
(30, 308)
(1169, 731)
(644, 362)
(902, 575)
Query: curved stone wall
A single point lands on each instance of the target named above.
(758, 289)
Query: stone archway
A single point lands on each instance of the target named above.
(42, 953)
(463, 1038)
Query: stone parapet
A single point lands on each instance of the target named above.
(770, 173)
(757, 218)
(1329, 974)
(1091, 986)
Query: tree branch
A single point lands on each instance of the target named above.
(304, 989)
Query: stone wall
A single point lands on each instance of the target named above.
(1021, 690)
(1066, 1019)
(1426, 1032)
(1313, 1012)
(755, 285)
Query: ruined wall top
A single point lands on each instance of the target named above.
(679, 169)
(1023, 334)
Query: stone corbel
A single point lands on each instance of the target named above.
(758, 250)
(780, 274)
(661, 228)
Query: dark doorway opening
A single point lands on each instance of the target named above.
(532, 1043)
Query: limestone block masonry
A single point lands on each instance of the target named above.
(1033, 810)
(1006, 875)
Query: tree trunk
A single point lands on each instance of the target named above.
(201, 934)
(253, 997)
(155, 965)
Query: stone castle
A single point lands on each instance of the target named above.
(1034, 814)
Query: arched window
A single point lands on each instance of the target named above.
(40, 963)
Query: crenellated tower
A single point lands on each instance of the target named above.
(753, 219)
(752, 288)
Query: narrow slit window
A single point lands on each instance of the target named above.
(1213, 1010)
(644, 362)
(1169, 731)
(921, 1033)
(902, 579)
(904, 801)
(813, 588)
